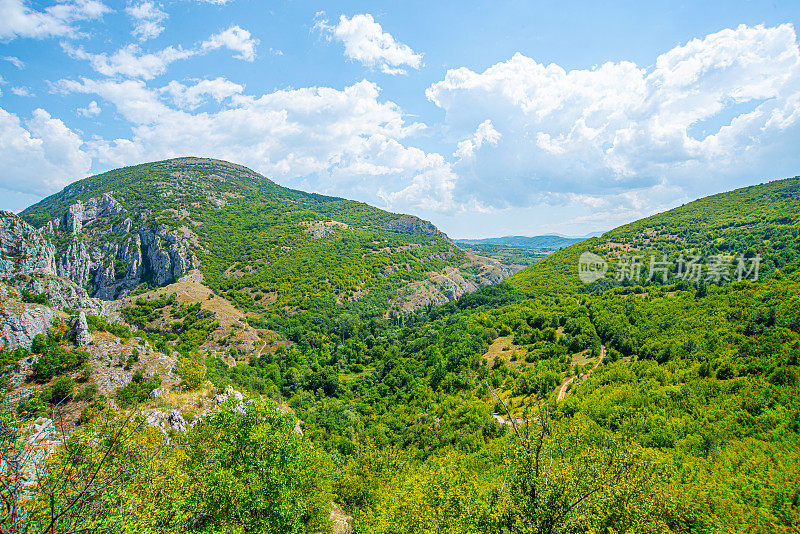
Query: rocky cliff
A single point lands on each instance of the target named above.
(20, 322)
(23, 249)
(94, 246)
(451, 283)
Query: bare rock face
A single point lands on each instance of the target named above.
(61, 292)
(154, 254)
(81, 329)
(177, 421)
(23, 249)
(21, 322)
(75, 264)
(122, 229)
(106, 269)
(94, 208)
(166, 256)
(450, 284)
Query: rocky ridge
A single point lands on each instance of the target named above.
(107, 257)
(451, 283)
(20, 322)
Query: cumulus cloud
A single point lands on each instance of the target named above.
(92, 110)
(19, 20)
(347, 142)
(131, 61)
(147, 20)
(235, 39)
(191, 96)
(365, 41)
(23, 91)
(484, 134)
(41, 154)
(709, 115)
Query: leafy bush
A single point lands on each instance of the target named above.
(192, 373)
(57, 361)
(137, 390)
(62, 389)
(35, 298)
(39, 344)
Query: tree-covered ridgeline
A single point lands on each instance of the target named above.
(681, 416)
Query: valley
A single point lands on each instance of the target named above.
(370, 374)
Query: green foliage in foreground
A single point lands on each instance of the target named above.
(238, 470)
(690, 423)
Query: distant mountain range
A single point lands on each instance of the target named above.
(549, 241)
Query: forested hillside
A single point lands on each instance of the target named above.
(541, 404)
(270, 250)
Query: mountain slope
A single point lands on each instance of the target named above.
(149, 224)
(762, 219)
(679, 411)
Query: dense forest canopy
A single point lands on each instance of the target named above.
(540, 404)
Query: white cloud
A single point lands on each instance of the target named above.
(40, 155)
(17, 62)
(19, 20)
(235, 39)
(132, 62)
(147, 20)
(92, 110)
(365, 41)
(22, 91)
(319, 138)
(710, 115)
(189, 97)
(484, 134)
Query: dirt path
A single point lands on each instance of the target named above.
(562, 392)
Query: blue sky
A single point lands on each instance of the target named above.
(488, 118)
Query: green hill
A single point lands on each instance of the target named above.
(265, 247)
(762, 219)
(539, 405)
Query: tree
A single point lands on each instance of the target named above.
(254, 473)
(573, 478)
(62, 389)
(192, 373)
(84, 484)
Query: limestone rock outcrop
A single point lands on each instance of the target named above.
(61, 292)
(75, 264)
(82, 212)
(81, 330)
(23, 249)
(21, 322)
(106, 268)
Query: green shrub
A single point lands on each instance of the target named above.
(34, 298)
(138, 390)
(57, 361)
(62, 389)
(39, 344)
(192, 373)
